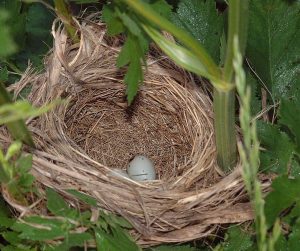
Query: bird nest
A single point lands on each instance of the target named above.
(94, 131)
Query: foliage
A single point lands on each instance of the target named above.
(273, 54)
(273, 44)
(68, 227)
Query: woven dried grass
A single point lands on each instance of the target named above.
(171, 122)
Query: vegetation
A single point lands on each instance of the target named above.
(213, 37)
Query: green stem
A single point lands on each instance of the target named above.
(64, 14)
(154, 18)
(237, 26)
(18, 128)
(224, 106)
(224, 102)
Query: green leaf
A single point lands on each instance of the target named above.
(74, 240)
(201, 19)
(162, 7)
(11, 237)
(285, 192)
(237, 240)
(133, 78)
(24, 163)
(56, 204)
(83, 197)
(3, 70)
(37, 228)
(126, 53)
(273, 44)
(184, 58)
(84, 1)
(289, 116)
(113, 21)
(294, 237)
(255, 93)
(13, 150)
(6, 222)
(7, 45)
(276, 157)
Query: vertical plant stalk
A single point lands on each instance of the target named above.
(249, 153)
(224, 110)
(63, 13)
(18, 128)
(224, 102)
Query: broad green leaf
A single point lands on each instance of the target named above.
(273, 44)
(25, 181)
(276, 157)
(237, 240)
(201, 19)
(255, 93)
(290, 116)
(56, 204)
(285, 192)
(83, 197)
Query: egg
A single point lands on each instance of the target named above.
(119, 173)
(141, 169)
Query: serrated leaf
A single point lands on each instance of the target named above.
(11, 237)
(6, 222)
(285, 192)
(74, 240)
(201, 19)
(83, 197)
(237, 240)
(273, 44)
(114, 24)
(294, 238)
(276, 157)
(255, 93)
(24, 163)
(26, 180)
(3, 69)
(162, 7)
(133, 78)
(125, 54)
(289, 116)
(40, 229)
(56, 204)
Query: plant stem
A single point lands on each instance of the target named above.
(224, 102)
(155, 19)
(64, 14)
(225, 128)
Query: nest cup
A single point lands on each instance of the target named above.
(94, 131)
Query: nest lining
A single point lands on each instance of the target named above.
(79, 142)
